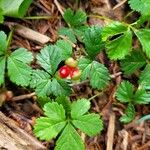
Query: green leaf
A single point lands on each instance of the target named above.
(113, 29)
(3, 43)
(142, 6)
(129, 114)
(143, 36)
(69, 33)
(60, 87)
(43, 100)
(15, 8)
(90, 124)
(119, 47)
(66, 48)
(97, 73)
(69, 140)
(141, 97)
(49, 58)
(18, 69)
(93, 41)
(75, 19)
(144, 78)
(2, 69)
(65, 102)
(1, 16)
(79, 108)
(54, 111)
(132, 62)
(46, 129)
(124, 92)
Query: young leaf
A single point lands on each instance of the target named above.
(65, 102)
(2, 69)
(75, 19)
(119, 47)
(54, 111)
(48, 127)
(93, 41)
(142, 6)
(143, 36)
(141, 97)
(15, 8)
(132, 62)
(124, 92)
(79, 108)
(144, 78)
(113, 29)
(97, 73)
(41, 81)
(91, 124)
(18, 69)
(69, 140)
(49, 58)
(66, 48)
(69, 33)
(129, 114)
(60, 87)
(3, 41)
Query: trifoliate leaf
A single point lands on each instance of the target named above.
(49, 58)
(75, 18)
(23, 55)
(141, 97)
(91, 124)
(143, 36)
(120, 47)
(129, 114)
(2, 69)
(69, 140)
(69, 33)
(79, 108)
(97, 73)
(18, 69)
(113, 29)
(46, 129)
(132, 62)
(93, 41)
(3, 43)
(15, 8)
(124, 92)
(43, 100)
(65, 102)
(142, 6)
(66, 48)
(60, 87)
(145, 78)
(54, 111)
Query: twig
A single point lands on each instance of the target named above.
(119, 4)
(59, 7)
(110, 132)
(115, 75)
(22, 97)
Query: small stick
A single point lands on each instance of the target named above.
(119, 4)
(110, 132)
(59, 7)
(22, 97)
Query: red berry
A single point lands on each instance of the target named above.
(64, 71)
(71, 62)
(75, 74)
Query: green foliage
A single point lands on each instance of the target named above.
(126, 93)
(94, 71)
(93, 41)
(76, 21)
(17, 63)
(15, 8)
(57, 119)
(133, 62)
(142, 6)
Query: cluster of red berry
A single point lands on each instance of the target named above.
(70, 70)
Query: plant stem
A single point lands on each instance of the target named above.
(9, 39)
(98, 94)
(40, 17)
